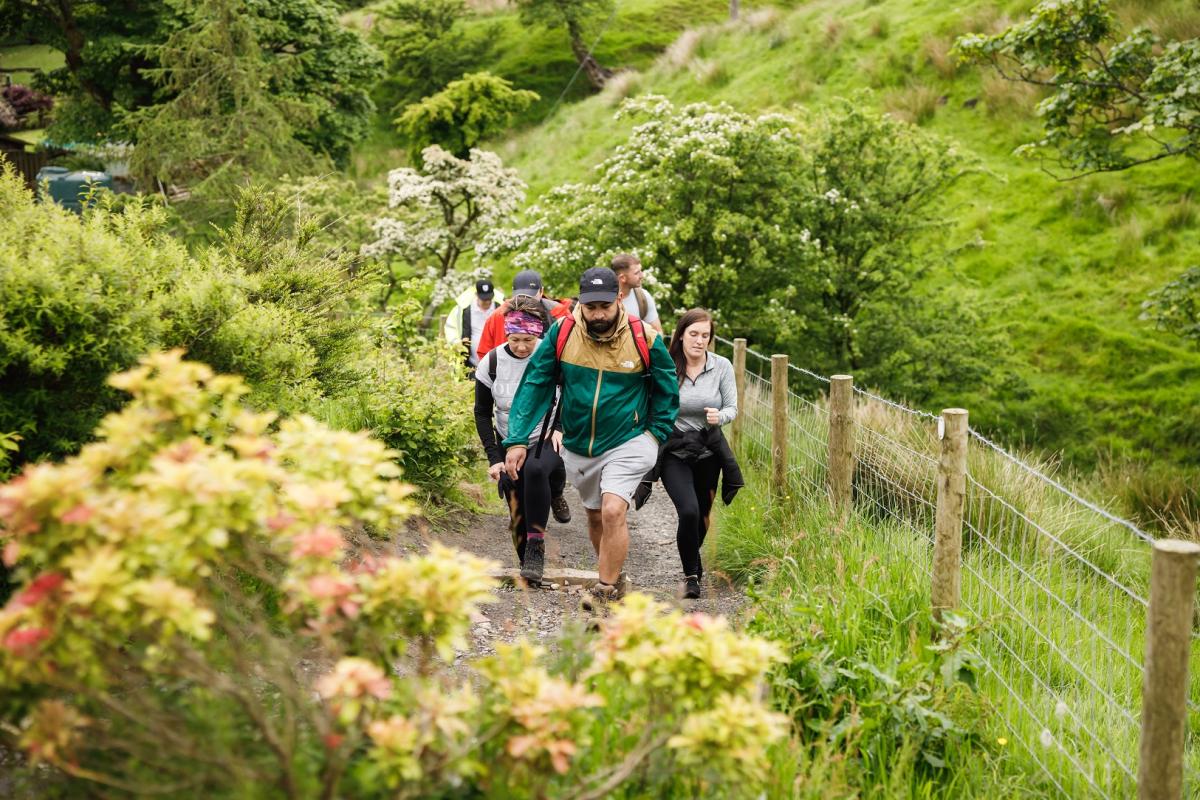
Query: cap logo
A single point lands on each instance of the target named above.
(597, 282)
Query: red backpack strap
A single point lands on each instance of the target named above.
(639, 340)
(564, 333)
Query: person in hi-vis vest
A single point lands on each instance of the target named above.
(472, 308)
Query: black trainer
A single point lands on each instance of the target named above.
(560, 509)
(535, 560)
(691, 590)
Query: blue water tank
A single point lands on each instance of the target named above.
(67, 187)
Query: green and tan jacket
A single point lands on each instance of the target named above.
(604, 398)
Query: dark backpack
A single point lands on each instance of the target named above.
(560, 343)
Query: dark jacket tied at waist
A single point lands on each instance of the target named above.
(690, 447)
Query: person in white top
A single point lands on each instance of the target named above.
(472, 308)
(637, 301)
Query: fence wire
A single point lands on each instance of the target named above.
(1060, 584)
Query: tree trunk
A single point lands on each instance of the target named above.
(73, 54)
(734, 6)
(597, 75)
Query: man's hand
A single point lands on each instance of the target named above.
(494, 470)
(556, 441)
(514, 460)
(712, 416)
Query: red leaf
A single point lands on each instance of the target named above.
(23, 639)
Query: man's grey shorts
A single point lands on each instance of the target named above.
(617, 471)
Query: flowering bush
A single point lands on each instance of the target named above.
(201, 615)
(799, 233)
(25, 100)
(445, 208)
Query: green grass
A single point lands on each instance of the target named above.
(1052, 586)
(33, 57)
(1069, 261)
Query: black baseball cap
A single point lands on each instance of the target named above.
(484, 289)
(527, 282)
(598, 285)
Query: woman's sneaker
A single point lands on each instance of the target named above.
(560, 509)
(535, 560)
(691, 589)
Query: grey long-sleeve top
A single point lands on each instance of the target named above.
(713, 388)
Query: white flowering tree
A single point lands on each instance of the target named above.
(705, 195)
(799, 234)
(440, 213)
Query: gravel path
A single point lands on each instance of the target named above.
(652, 566)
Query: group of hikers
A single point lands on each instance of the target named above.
(585, 390)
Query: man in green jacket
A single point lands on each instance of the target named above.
(615, 414)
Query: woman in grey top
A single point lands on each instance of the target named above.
(531, 497)
(691, 461)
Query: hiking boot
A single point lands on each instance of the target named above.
(691, 589)
(560, 509)
(534, 561)
(597, 599)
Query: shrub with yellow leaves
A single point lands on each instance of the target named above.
(199, 617)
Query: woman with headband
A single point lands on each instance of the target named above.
(496, 381)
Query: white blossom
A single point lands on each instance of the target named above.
(445, 207)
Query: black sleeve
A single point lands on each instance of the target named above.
(483, 424)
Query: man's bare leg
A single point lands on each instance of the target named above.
(614, 541)
(595, 528)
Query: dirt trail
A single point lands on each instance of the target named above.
(652, 567)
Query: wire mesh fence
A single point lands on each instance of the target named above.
(1060, 585)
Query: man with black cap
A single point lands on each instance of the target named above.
(619, 401)
(527, 282)
(471, 311)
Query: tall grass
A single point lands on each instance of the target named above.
(1058, 590)
(839, 601)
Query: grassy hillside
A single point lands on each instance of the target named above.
(26, 59)
(1069, 262)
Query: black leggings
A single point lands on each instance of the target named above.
(529, 498)
(692, 486)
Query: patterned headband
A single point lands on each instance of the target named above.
(523, 323)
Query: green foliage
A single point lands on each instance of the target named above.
(1116, 103)
(1058, 275)
(425, 47)
(466, 112)
(885, 701)
(1176, 306)
(293, 51)
(419, 402)
(80, 299)
(800, 237)
(100, 41)
(222, 122)
(9, 443)
(134, 662)
(266, 300)
(577, 17)
(326, 67)
(574, 15)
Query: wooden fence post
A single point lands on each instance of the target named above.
(841, 442)
(779, 424)
(951, 497)
(739, 380)
(1165, 674)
